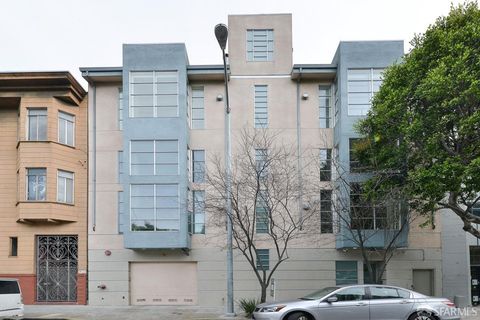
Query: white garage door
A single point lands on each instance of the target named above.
(163, 283)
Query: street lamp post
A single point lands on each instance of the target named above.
(221, 33)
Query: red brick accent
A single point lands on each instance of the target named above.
(81, 288)
(28, 285)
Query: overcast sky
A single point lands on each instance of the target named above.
(39, 35)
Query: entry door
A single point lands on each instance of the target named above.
(475, 273)
(423, 281)
(57, 268)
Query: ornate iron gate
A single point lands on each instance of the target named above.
(57, 268)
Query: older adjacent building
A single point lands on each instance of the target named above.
(157, 117)
(43, 185)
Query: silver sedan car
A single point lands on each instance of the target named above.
(360, 302)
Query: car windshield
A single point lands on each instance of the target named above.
(319, 294)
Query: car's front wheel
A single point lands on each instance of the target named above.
(422, 315)
(298, 316)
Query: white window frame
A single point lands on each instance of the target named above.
(154, 206)
(60, 113)
(260, 126)
(73, 186)
(154, 157)
(154, 93)
(197, 87)
(27, 127)
(26, 183)
(328, 107)
(371, 92)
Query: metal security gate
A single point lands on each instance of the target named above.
(57, 268)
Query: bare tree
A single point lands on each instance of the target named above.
(372, 216)
(270, 204)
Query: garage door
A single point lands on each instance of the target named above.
(163, 283)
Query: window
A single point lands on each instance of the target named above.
(66, 128)
(153, 94)
(261, 156)
(198, 166)
(356, 165)
(121, 211)
(36, 184)
(261, 106)
(263, 259)
(366, 275)
(154, 207)
(475, 209)
(325, 164)
(346, 272)
(351, 294)
(65, 186)
(199, 212)
(262, 213)
(388, 293)
(120, 108)
(13, 246)
(362, 85)
(260, 45)
(198, 108)
(120, 166)
(364, 214)
(326, 219)
(37, 124)
(9, 287)
(154, 157)
(324, 106)
(337, 104)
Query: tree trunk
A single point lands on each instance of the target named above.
(263, 298)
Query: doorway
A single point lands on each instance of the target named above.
(423, 281)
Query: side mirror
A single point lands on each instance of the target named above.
(332, 299)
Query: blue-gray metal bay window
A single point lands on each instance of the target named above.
(346, 272)
(260, 45)
(362, 85)
(324, 98)
(263, 259)
(37, 124)
(366, 214)
(36, 184)
(198, 165)
(154, 157)
(325, 164)
(66, 128)
(326, 214)
(154, 207)
(261, 106)
(198, 108)
(153, 94)
(199, 212)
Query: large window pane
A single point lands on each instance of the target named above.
(66, 128)
(36, 184)
(65, 186)
(260, 45)
(198, 165)
(362, 84)
(346, 272)
(153, 94)
(37, 124)
(261, 107)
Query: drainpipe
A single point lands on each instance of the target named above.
(94, 157)
(299, 150)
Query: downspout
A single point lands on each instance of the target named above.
(94, 157)
(299, 149)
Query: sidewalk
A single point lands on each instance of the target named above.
(69, 312)
(124, 313)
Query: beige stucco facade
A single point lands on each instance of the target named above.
(25, 219)
(312, 258)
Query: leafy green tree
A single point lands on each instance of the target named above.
(424, 124)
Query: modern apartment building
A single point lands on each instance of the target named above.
(43, 189)
(156, 118)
